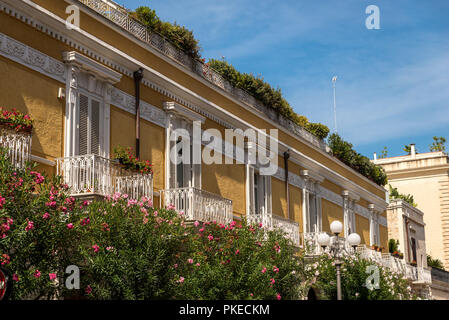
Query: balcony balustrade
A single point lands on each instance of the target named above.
(415, 274)
(18, 145)
(198, 205)
(272, 221)
(93, 175)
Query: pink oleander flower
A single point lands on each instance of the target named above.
(175, 266)
(145, 220)
(116, 196)
(272, 281)
(52, 276)
(264, 270)
(252, 295)
(15, 277)
(237, 251)
(201, 230)
(109, 248)
(276, 269)
(88, 289)
(46, 215)
(132, 202)
(171, 207)
(30, 226)
(95, 247)
(125, 196)
(181, 280)
(198, 264)
(278, 296)
(85, 221)
(196, 223)
(155, 213)
(210, 237)
(2, 202)
(70, 226)
(37, 274)
(190, 261)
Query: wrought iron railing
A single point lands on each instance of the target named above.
(18, 145)
(272, 221)
(197, 204)
(95, 175)
(121, 17)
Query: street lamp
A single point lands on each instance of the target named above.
(335, 250)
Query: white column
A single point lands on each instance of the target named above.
(71, 113)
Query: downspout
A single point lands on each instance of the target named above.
(286, 156)
(408, 239)
(138, 76)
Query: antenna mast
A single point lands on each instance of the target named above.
(334, 80)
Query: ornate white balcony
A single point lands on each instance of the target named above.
(196, 204)
(272, 221)
(18, 144)
(92, 175)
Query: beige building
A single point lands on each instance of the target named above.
(406, 224)
(426, 177)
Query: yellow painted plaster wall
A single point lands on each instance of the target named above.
(362, 228)
(383, 231)
(227, 181)
(279, 201)
(295, 195)
(330, 213)
(36, 95)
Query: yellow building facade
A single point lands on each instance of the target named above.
(78, 84)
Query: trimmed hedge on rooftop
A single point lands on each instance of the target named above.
(179, 36)
(344, 152)
(265, 93)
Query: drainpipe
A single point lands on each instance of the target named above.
(286, 156)
(138, 76)
(408, 239)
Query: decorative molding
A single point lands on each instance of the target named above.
(43, 160)
(183, 112)
(90, 66)
(31, 58)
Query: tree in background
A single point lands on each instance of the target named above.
(384, 153)
(438, 144)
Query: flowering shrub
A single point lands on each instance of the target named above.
(321, 274)
(236, 262)
(126, 158)
(16, 120)
(34, 211)
(127, 248)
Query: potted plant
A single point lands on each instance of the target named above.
(125, 158)
(15, 120)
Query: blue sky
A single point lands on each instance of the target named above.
(393, 83)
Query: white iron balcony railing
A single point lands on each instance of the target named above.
(412, 273)
(18, 144)
(272, 221)
(89, 175)
(196, 204)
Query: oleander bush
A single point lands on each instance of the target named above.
(356, 274)
(344, 152)
(34, 243)
(237, 262)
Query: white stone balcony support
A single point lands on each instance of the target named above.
(197, 204)
(18, 144)
(92, 175)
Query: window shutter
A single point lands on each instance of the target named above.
(252, 198)
(83, 125)
(94, 138)
(268, 194)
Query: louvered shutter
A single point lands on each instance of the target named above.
(89, 126)
(94, 138)
(83, 125)
(252, 205)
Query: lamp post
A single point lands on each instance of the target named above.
(325, 241)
